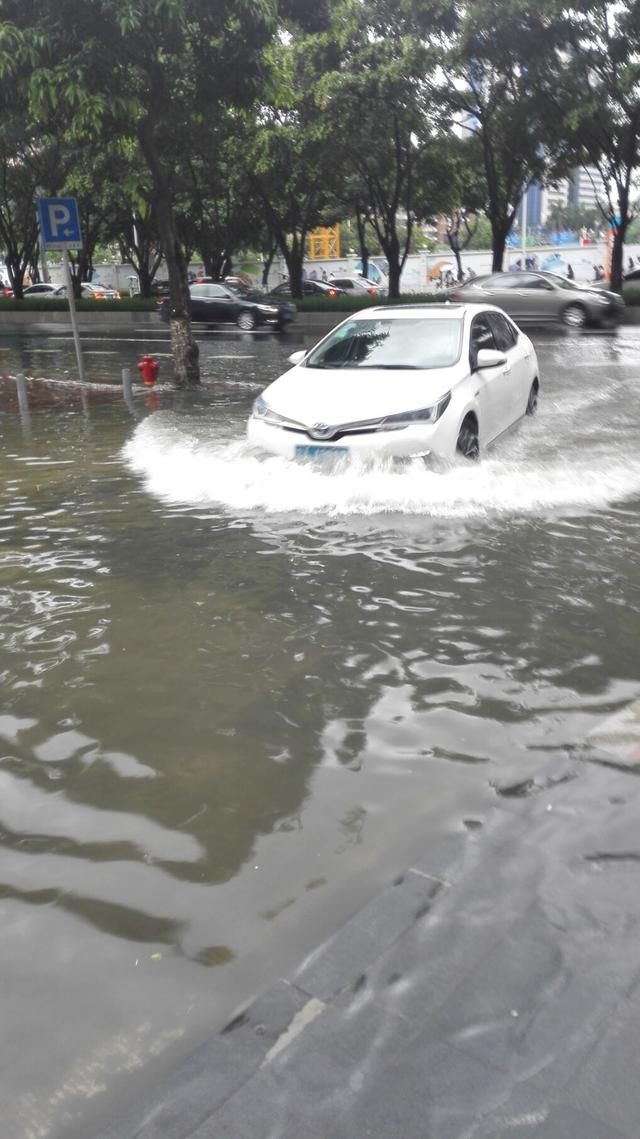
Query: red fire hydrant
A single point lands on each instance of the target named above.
(148, 368)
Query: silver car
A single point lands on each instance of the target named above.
(536, 298)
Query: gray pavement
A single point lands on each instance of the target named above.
(493, 990)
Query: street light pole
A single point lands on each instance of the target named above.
(524, 229)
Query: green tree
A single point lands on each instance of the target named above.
(216, 213)
(140, 69)
(375, 94)
(288, 154)
(453, 187)
(492, 66)
(594, 88)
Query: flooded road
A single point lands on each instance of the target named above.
(239, 695)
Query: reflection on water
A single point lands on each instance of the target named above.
(239, 695)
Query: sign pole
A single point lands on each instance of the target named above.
(59, 227)
(72, 312)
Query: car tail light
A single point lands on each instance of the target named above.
(372, 292)
(116, 295)
(455, 296)
(98, 296)
(332, 293)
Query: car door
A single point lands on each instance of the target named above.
(499, 290)
(492, 384)
(518, 353)
(538, 299)
(223, 305)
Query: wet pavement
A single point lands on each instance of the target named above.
(491, 991)
(240, 699)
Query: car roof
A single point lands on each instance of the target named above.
(430, 310)
(424, 308)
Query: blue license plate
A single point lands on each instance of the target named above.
(304, 451)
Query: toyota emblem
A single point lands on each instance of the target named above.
(322, 431)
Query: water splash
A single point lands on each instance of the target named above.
(527, 474)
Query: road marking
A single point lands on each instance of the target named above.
(301, 1020)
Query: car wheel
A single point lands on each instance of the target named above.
(246, 320)
(532, 402)
(574, 316)
(468, 445)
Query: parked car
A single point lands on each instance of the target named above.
(632, 276)
(89, 291)
(540, 297)
(40, 290)
(441, 380)
(310, 289)
(357, 286)
(216, 304)
(159, 287)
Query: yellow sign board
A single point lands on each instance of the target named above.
(324, 243)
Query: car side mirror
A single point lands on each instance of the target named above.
(490, 358)
(298, 357)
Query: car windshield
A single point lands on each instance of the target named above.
(391, 343)
(564, 282)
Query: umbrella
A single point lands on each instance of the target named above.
(554, 264)
(441, 267)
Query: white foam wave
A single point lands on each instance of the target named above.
(183, 467)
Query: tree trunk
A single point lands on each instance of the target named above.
(498, 245)
(144, 280)
(294, 257)
(391, 248)
(617, 256)
(394, 277)
(184, 348)
(362, 242)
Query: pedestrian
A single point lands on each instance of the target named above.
(570, 273)
(324, 274)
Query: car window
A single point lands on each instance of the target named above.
(504, 333)
(503, 281)
(342, 282)
(481, 337)
(411, 342)
(528, 281)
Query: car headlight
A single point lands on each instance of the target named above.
(422, 415)
(261, 410)
(268, 309)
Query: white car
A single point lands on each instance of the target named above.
(89, 292)
(42, 289)
(358, 286)
(426, 379)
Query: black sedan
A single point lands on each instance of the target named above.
(213, 303)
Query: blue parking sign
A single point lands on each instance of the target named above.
(59, 222)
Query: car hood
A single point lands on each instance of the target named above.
(348, 395)
(596, 292)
